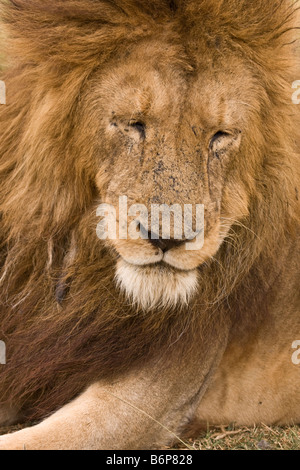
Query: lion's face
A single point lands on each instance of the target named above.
(171, 133)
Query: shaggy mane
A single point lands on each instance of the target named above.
(64, 322)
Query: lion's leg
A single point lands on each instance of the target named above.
(142, 411)
(100, 419)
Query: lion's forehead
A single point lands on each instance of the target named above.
(163, 87)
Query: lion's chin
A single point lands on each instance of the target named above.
(155, 286)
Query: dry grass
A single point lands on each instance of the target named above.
(257, 438)
(231, 438)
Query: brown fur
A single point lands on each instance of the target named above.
(49, 189)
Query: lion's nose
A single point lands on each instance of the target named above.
(158, 242)
(165, 245)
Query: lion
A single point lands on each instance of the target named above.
(126, 343)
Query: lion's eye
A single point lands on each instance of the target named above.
(225, 141)
(218, 136)
(140, 127)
